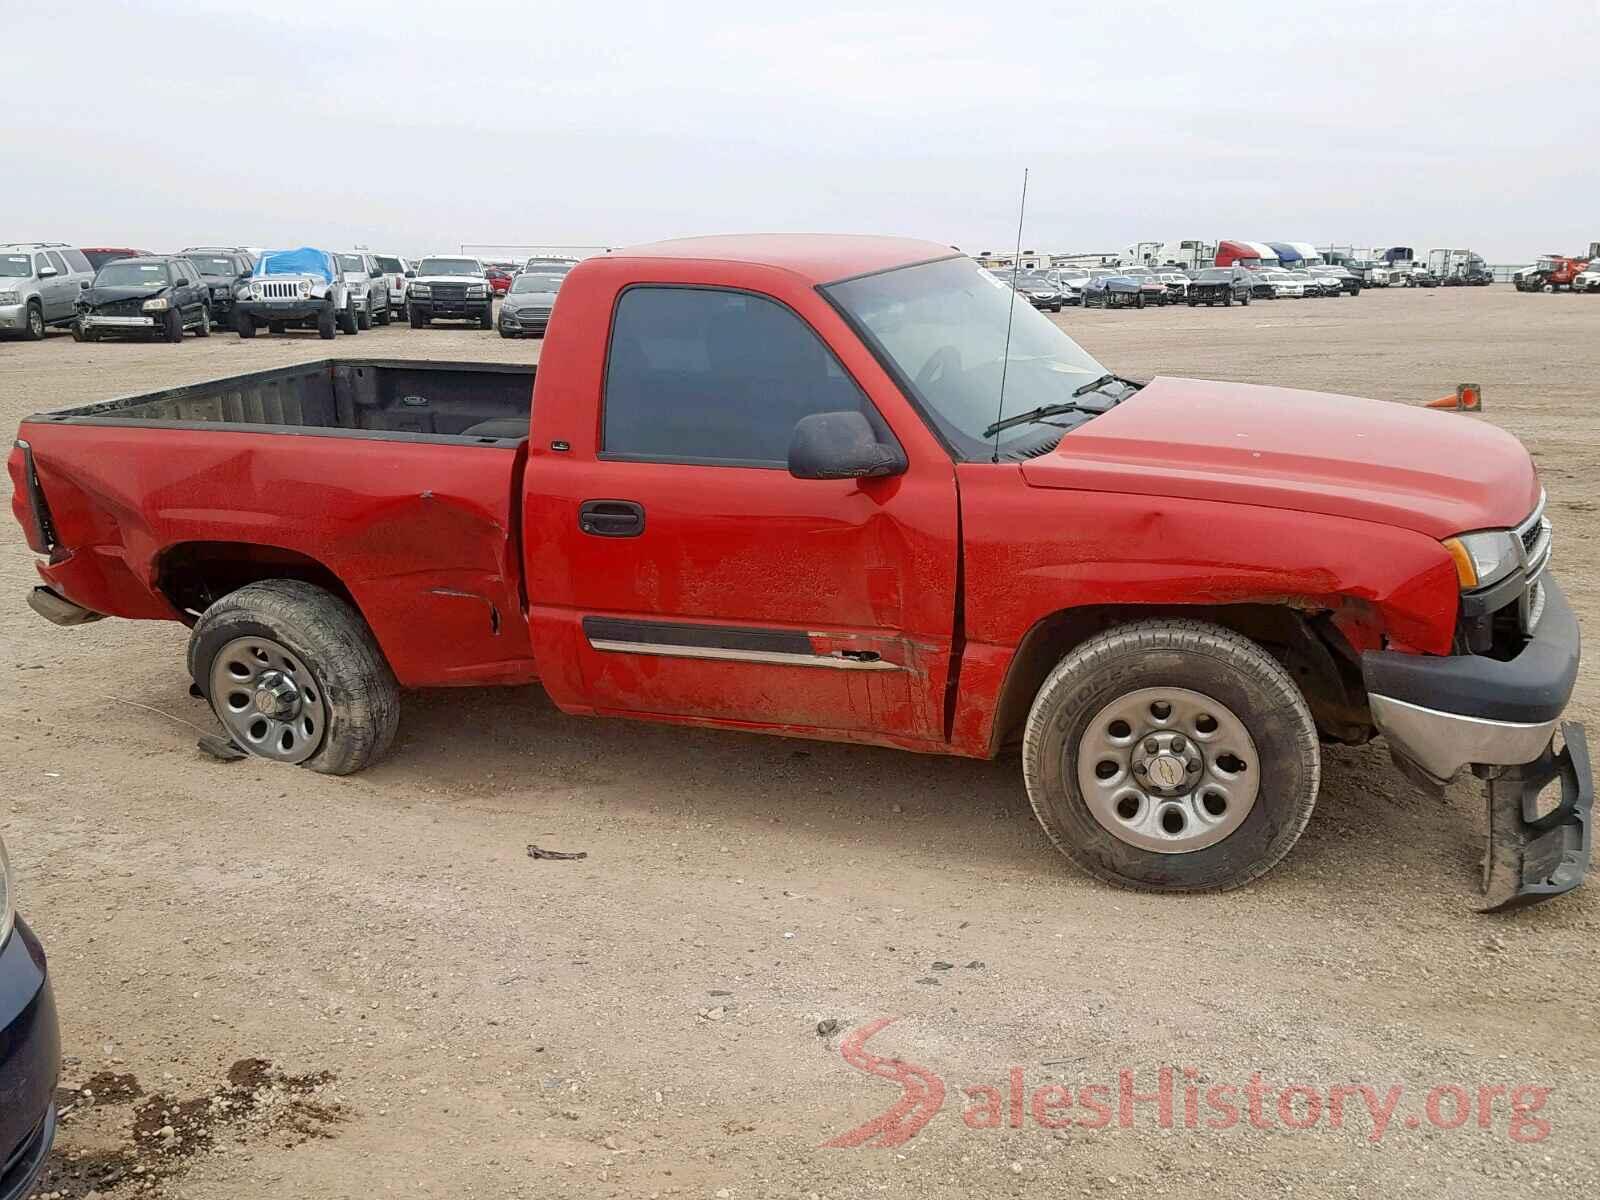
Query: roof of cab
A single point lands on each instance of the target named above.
(818, 257)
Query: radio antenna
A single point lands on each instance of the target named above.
(1016, 262)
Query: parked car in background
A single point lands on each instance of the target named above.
(39, 286)
(1262, 288)
(1284, 284)
(1423, 278)
(1317, 284)
(1039, 290)
(1176, 281)
(223, 269)
(160, 296)
(1069, 282)
(455, 289)
(1588, 279)
(303, 289)
(369, 290)
(1152, 291)
(1372, 274)
(30, 1048)
(527, 307)
(1346, 279)
(499, 280)
(550, 264)
(1112, 289)
(1220, 285)
(397, 272)
(99, 256)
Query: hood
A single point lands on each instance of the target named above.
(531, 299)
(113, 295)
(468, 280)
(1433, 472)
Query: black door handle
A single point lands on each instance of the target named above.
(611, 518)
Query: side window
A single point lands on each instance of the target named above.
(56, 261)
(699, 375)
(77, 261)
(179, 275)
(40, 262)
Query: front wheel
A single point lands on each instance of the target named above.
(417, 319)
(486, 321)
(1171, 755)
(295, 676)
(327, 324)
(244, 324)
(172, 326)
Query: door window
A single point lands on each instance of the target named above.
(56, 261)
(701, 375)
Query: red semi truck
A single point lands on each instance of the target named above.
(809, 486)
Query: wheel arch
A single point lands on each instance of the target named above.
(1305, 640)
(194, 575)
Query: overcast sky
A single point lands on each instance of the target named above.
(412, 126)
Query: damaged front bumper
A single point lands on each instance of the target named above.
(1500, 717)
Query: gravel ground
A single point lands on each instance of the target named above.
(278, 984)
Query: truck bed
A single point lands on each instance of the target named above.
(379, 480)
(357, 397)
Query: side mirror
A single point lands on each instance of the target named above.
(83, 284)
(840, 445)
(47, 272)
(411, 274)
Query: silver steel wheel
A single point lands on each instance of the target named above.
(1168, 769)
(271, 703)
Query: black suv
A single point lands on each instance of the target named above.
(223, 269)
(162, 294)
(1220, 285)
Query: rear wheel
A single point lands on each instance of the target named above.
(1227, 301)
(1171, 755)
(385, 316)
(364, 317)
(295, 676)
(204, 328)
(1245, 299)
(348, 321)
(1138, 301)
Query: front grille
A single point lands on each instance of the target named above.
(271, 290)
(449, 291)
(121, 308)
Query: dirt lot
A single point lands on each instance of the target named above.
(445, 1016)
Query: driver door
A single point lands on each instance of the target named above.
(710, 584)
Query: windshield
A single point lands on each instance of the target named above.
(132, 274)
(351, 262)
(1033, 279)
(1216, 274)
(450, 266)
(557, 266)
(943, 326)
(392, 265)
(537, 281)
(212, 264)
(16, 266)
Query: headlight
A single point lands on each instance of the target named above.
(255, 290)
(8, 897)
(305, 287)
(158, 304)
(421, 289)
(1483, 558)
(10, 297)
(477, 289)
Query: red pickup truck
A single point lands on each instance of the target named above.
(846, 488)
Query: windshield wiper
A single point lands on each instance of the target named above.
(1055, 410)
(1039, 414)
(1094, 385)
